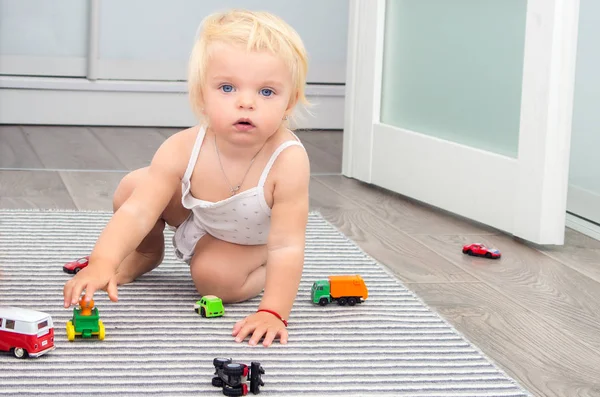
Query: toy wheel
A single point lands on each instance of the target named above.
(77, 269)
(197, 310)
(351, 301)
(470, 252)
(101, 330)
(19, 352)
(488, 255)
(220, 362)
(70, 331)
(342, 301)
(217, 382)
(203, 312)
(233, 369)
(240, 390)
(323, 301)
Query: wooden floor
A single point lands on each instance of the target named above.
(535, 312)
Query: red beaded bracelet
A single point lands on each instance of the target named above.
(273, 313)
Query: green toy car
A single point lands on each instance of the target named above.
(209, 306)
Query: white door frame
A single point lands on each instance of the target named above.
(532, 187)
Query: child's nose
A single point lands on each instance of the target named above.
(246, 102)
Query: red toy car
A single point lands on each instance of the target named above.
(75, 266)
(479, 249)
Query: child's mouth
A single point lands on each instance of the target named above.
(244, 125)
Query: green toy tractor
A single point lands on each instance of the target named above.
(85, 322)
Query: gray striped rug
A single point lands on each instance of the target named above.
(157, 345)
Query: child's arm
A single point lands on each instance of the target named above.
(130, 223)
(285, 258)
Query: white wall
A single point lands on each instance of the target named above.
(39, 37)
(584, 178)
(129, 59)
(151, 39)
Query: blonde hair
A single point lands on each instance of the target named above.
(255, 30)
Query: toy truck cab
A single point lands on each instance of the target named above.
(320, 292)
(209, 306)
(25, 333)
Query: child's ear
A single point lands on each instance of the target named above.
(291, 104)
(200, 100)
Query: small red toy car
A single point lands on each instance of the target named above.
(75, 266)
(479, 249)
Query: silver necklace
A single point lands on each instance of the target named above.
(234, 189)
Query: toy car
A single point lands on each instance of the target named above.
(75, 266)
(209, 306)
(25, 332)
(232, 377)
(479, 249)
(86, 321)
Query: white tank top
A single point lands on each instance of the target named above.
(241, 219)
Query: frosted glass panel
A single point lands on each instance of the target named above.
(453, 70)
(584, 179)
(133, 32)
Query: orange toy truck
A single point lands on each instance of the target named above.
(343, 289)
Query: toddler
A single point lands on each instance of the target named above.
(234, 187)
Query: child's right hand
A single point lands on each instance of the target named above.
(90, 279)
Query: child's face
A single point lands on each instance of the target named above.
(246, 93)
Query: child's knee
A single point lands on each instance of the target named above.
(126, 186)
(215, 279)
(202, 272)
(212, 275)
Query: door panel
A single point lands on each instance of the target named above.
(453, 69)
(476, 176)
(584, 178)
(465, 105)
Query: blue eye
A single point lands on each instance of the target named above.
(226, 88)
(266, 92)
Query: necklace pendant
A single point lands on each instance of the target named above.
(234, 190)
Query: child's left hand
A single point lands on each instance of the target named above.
(263, 324)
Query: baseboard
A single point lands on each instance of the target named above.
(63, 101)
(583, 226)
(583, 203)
